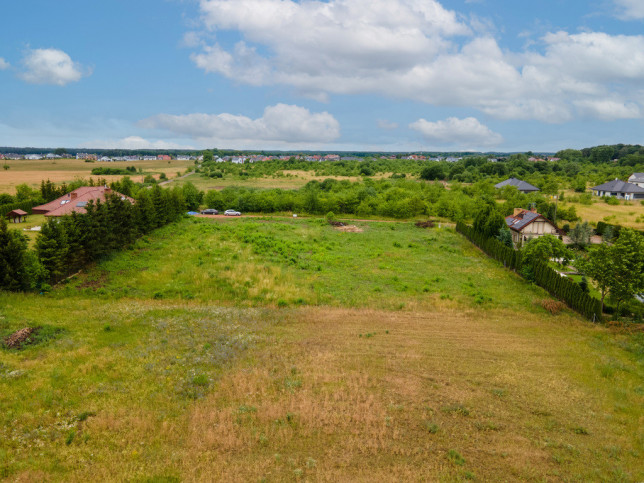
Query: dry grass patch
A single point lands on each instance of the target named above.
(367, 395)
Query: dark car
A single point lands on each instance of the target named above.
(210, 211)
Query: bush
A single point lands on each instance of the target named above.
(552, 306)
(611, 200)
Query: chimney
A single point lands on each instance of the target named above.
(517, 211)
(533, 209)
(74, 195)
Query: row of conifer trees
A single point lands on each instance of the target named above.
(560, 287)
(68, 243)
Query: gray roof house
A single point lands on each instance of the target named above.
(620, 189)
(638, 179)
(520, 185)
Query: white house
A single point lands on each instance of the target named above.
(638, 179)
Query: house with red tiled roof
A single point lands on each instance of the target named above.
(528, 224)
(76, 201)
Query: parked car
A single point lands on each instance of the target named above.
(232, 213)
(210, 211)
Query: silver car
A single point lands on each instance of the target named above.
(232, 213)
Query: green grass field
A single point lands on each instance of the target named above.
(266, 350)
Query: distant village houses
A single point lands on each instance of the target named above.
(86, 156)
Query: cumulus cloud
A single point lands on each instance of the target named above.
(420, 50)
(463, 132)
(133, 142)
(50, 66)
(630, 9)
(4, 64)
(280, 123)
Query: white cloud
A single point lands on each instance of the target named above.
(630, 9)
(387, 125)
(417, 49)
(281, 123)
(50, 66)
(462, 132)
(4, 64)
(133, 142)
(609, 109)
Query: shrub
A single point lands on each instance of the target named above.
(552, 306)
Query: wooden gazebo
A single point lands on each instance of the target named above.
(17, 215)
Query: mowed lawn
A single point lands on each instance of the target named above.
(263, 350)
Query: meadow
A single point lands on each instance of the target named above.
(627, 213)
(284, 179)
(285, 350)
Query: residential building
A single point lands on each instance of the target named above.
(528, 224)
(638, 179)
(619, 189)
(76, 201)
(164, 157)
(519, 184)
(86, 156)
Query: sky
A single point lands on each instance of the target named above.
(332, 75)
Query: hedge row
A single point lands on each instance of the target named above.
(19, 205)
(509, 257)
(567, 290)
(560, 287)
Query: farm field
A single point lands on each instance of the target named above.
(32, 172)
(256, 349)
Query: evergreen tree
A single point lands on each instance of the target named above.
(52, 248)
(13, 249)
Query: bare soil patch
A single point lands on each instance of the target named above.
(21, 338)
(349, 229)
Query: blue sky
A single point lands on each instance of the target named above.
(393, 75)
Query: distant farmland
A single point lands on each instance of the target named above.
(32, 172)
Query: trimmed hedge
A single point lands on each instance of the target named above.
(567, 290)
(560, 287)
(20, 205)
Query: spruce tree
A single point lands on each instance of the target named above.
(13, 248)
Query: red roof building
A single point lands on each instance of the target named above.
(76, 201)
